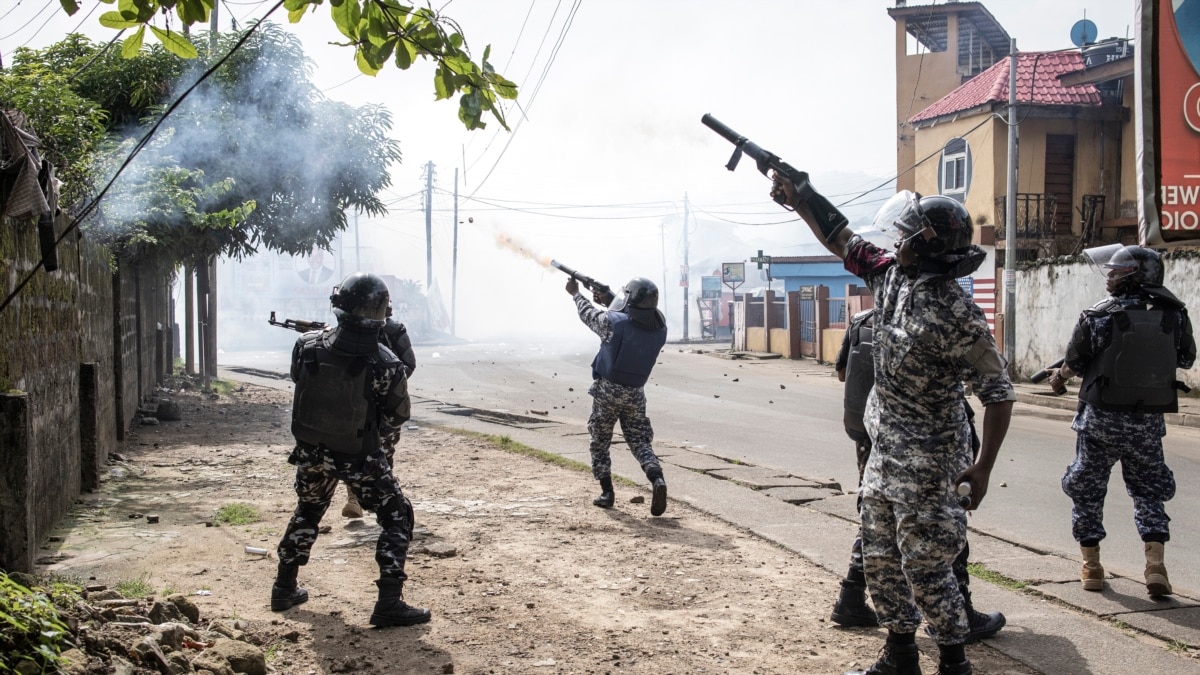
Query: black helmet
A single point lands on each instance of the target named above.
(640, 293)
(361, 299)
(1134, 264)
(934, 225)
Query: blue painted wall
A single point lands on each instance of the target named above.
(831, 274)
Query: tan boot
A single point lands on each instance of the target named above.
(1092, 574)
(1156, 572)
(352, 508)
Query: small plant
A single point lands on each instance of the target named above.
(168, 591)
(273, 652)
(980, 572)
(238, 514)
(135, 588)
(31, 630)
(222, 387)
(1178, 646)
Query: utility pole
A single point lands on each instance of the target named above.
(686, 269)
(454, 259)
(662, 231)
(357, 246)
(1010, 215)
(428, 226)
(210, 328)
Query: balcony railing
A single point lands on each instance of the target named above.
(1035, 218)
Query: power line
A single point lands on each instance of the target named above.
(31, 20)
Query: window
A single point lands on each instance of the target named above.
(954, 179)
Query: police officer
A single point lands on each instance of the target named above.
(632, 333)
(929, 336)
(855, 367)
(1127, 348)
(348, 388)
(395, 337)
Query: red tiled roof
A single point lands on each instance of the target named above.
(991, 86)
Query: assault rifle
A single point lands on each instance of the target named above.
(602, 292)
(298, 326)
(829, 218)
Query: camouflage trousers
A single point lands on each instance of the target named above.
(371, 481)
(908, 553)
(612, 402)
(1147, 478)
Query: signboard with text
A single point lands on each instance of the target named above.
(1168, 85)
(710, 287)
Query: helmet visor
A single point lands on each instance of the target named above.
(1100, 259)
(901, 216)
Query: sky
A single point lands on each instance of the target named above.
(606, 146)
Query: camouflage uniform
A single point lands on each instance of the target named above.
(369, 477)
(612, 402)
(1105, 437)
(913, 527)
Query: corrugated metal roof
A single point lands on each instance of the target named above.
(1037, 84)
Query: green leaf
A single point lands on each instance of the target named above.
(69, 6)
(385, 50)
(443, 83)
(133, 44)
(347, 16)
(176, 43)
(505, 88)
(117, 20)
(406, 54)
(293, 5)
(363, 64)
(295, 15)
(459, 63)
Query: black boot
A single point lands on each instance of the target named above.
(285, 594)
(952, 660)
(895, 659)
(851, 608)
(391, 610)
(983, 626)
(607, 497)
(658, 503)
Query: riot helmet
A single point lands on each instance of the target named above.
(1126, 265)
(933, 226)
(639, 293)
(361, 299)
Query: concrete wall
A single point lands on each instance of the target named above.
(59, 374)
(1051, 296)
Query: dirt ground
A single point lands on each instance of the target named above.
(521, 572)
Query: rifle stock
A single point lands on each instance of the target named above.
(299, 326)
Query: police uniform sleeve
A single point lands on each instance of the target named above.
(867, 261)
(990, 380)
(1079, 349)
(396, 408)
(1187, 342)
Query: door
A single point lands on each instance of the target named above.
(1060, 178)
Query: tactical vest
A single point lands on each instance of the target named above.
(631, 354)
(334, 405)
(1136, 371)
(860, 371)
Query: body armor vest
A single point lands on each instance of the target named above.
(860, 371)
(334, 406)
(630, 355)
(1136, 371)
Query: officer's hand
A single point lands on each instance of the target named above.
(572, 286)
(1058, 384)
(978, 478)
(783, 186)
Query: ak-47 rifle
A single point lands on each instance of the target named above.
(601, 292)
(298, 326)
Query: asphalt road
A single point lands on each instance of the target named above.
(787, 415)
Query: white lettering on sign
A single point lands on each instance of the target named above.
(1180, 220)
(1191, 107)
(1173, 195)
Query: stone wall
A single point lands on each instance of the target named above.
(97, 395)
(1050, 298)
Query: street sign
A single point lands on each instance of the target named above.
(733, 275)
(760, 259)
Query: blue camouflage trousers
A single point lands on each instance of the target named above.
(1147, 478)
(372, 482)
(612, 402)
(908, 553)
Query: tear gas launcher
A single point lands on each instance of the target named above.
(601, 292)
(1041, 375)
(298, 326)
(830, 220)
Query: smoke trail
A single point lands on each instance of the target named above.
(508, 242)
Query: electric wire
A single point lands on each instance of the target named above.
(11, 9)
(137, 148)
(31, 19)
(48, 20)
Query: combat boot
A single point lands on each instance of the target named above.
(1092, 574)
(851, 608)
(352, 509)
(658, 503)
(1156, 571)
(285, 594)
(963, 667)
(894, 659)
(391, 610)
(983, 626)
(605, 500)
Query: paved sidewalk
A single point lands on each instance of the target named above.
(1053, 625)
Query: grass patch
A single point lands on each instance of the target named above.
(1178, 646)
(507, 444)
(980, 572)
(222, 387)
(32, 631)
(238, 514)
(135, 588)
